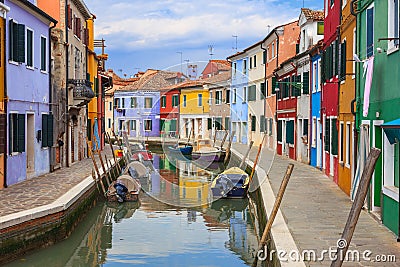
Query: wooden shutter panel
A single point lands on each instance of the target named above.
(227, 123)
(50, 129)
(253, 123)
(306, 82)
(273, 84)
(69, 17)
(334, 140)
(3, 127)
(21, 133)
(11, 39)
(209, 123)
(44, 130)
(21, 43)
(89, 129)
(327, 135)
(279, 131)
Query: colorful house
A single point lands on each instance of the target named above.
(3, 112)
(169, 111)
(346, 97)
(239, 106)
(315, 141)
(330, 87)
(194, 110)
(376, 119)
(30, 122)
(275, 53)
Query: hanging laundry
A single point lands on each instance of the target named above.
(369, 69)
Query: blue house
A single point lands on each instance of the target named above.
(239, 105)
(29, 120)
(316, 149)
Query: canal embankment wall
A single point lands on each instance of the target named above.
(44, 225)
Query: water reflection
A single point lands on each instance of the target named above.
(154, 233)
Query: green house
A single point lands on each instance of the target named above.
(377, 40)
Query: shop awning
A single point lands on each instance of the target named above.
(392, 131)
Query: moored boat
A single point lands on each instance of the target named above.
(206, 152)
(184, 150)
(139, 151)
(125, 188)
(232, 183)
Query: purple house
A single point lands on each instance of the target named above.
(30, 124)
(137, 106)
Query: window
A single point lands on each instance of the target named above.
(334, 139)
(264, 57)
(255, 61)
(270, 126)
(218, 97)
(327, 134)
(227, 123)
(273, 85)
(47, 130)
(320, 28)
(218, 123)
(263, 91)
(123, 102)
(314, 133)
(148, 102)
(77, 27)
(133, 125)
(109, 123)
(244, 94)
(173, 126)
(393, 20)
(268, 54)
(262, 123)
(253, 123)
(332, 2)
(184, 100)
(290, 132)
(272, 50)
(133, 102)
(370, 31)
(234, 68)
(110, 106)
(279, 134)
(117, 103)
(314, 77)
(306, 83)
(244, 66)
(17, 41)
(69, 18)
(210, 99)
(163, 101)
(252, 93)
(348, 143)
(305, 127)
(341, 154)
(234, 95)
(16, 132)
(228, 96)
(175, 101)
(319, 76)
(251, 63)
(200, 100)
(209, 123)
(342, 60)
(304, 39)
(148, 125)
(29, 47)
(354, 50)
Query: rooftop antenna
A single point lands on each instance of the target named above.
(211, 53)
(268, 29)
(180, 52)
(236, 37)
(187, 67)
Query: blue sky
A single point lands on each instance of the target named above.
(148, 34)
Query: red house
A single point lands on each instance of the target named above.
(330, 87)
(169, 111)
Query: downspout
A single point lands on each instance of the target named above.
(265, 87)
(5, 106)
(66, 86)
(50, 91)
(276, 95)
(87, 104)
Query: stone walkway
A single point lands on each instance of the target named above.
(316, 210)
(45, 189)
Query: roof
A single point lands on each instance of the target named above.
(37, 10)
(186, 84)
(80, 4)
(152, 80)
(313, 14)
(221, 77)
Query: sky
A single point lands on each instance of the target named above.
(170, 34)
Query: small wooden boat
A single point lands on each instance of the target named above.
(184, 150)
(206, 152)
(232, 183)
(132, 189)
(139, 152)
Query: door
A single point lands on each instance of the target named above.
(319, 143)
(30, 145)
(284, 137)
(331, 159)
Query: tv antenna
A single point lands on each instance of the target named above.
(236, 37)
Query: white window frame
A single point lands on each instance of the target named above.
(244, 69)
(391, 27)
(176, 96)
(234, 96)
(314, 132)
(341, 136)
(26, 48)
(46, 49)
(354, 51)
(144, 125)
(218, 100)
(348, 144)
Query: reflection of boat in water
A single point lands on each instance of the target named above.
(123, 210)
(223, 209)
(215, 166)
(232, 183)
(206, 152)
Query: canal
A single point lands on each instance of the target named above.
(173, 224)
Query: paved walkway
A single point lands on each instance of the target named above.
(45, 189)
(316, 210)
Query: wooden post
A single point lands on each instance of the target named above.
(109, 166)
(228, 149)
(224, 139)
(274, 211)
(246, 155)
(112, 151)
(101, 161)
(95, 164)
(191, 129)
(256, 160)
(215, 136)
(344, 243)
(95, 180)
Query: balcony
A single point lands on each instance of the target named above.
(82, 91)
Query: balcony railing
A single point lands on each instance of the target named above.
(82, 89)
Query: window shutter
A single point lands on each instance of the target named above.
(263, 91)
(253, 123)
(262, 123)
(89, 129)
(323, 70)
(279, 133)
(43, 54)
(21, 43)
(162, 125)
(327, 135)
(209, 123)
(306, 83)
(11, 39)
(343, 60)
(69, 17)
(3, 127)
(21, 133)
(227, 123)
(50, 129)
(334, 140)
(273, 84)
(173, 125)
(290, 132)
(337, 66)
(44, 130)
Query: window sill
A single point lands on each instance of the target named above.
(391, 191)
(13, 62)
(30, 68)
(392, 50)
(44, 72)
(347, 165)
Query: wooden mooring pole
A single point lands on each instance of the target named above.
(256, 160)
(274, 211)
(246, 155)
(112, 151)
(89, 143)
(108, 179)
(344, 242)
(228, 149)
(224, 139)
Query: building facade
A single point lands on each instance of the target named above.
(30, 122)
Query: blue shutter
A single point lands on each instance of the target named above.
(370, 32)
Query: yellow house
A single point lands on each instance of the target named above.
(92, 76)
(346, 95)
(194, 109)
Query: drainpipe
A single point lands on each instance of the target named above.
(66, 86)
(50, 91)
(5, 107)
(276, 95)
(265, 87)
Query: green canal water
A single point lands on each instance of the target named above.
(174, 224)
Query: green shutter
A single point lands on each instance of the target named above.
(21, 43)
(273, 84)
(50, 122)
(3, 133)
(29, 48)
(21, 133)
(290, 132)
(11, 40)
(334, 141)
(218, 123)
(343, 60)
(209, 123)
(323, 67)
(336, 57)
(89, 129)
(173, 125)
(44, 130)
(306, 83)
(262, 91)
(12, 133)
(227, 123)
(279, 132)
(253, 123)
(43, 54)
(262, 123)
(162, 125)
